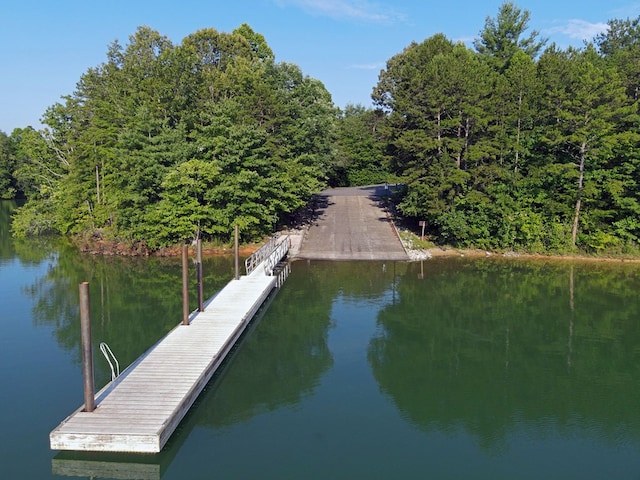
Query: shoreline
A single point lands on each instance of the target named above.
(102, 247)
(478, 253)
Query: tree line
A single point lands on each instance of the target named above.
(511, 144)
(514, 147)
(162, 143)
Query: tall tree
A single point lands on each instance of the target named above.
(360, 148)
(620, 45)
(584, 111)
(519, 81)
(435, 93)
(501, 37)
(137, 126)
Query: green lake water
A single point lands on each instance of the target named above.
(445, 369)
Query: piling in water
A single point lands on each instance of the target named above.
(87, 351)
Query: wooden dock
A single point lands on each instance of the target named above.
(140, 409)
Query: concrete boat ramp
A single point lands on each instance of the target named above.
(351, 224)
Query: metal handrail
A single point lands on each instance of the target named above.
(278, 254)
(108, 354)
(260, 255)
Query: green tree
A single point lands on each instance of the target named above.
(501, 37)
(124, 147)
(585, 103)
(41, 164)
(360, 157)
(183, 212)
(435, 94)
(514, 99)
(620, 45)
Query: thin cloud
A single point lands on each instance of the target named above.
(346, 9)
(629, 11)
(579, 29)
(368, 66)
(466, 40)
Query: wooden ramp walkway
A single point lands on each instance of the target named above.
(141, 408)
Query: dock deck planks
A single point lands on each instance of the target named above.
(139, 410)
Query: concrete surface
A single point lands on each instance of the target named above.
(350, 224)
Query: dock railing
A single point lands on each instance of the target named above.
(278, 253)
(257, 257)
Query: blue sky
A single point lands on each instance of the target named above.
(46, 45)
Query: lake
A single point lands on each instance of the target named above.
(492, 368)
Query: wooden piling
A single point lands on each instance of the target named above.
(87, 350)
(185, 284)
(236, 253)
(199, 275)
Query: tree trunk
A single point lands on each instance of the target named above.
(459, 152)
(97, 185)
(576, 218)
(467, 133)
(518, 129)
(439, 119)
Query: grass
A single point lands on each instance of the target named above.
(413, 241)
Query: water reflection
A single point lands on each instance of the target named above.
(134, 301)
(494, 350)
(446, 369)
(278, 364)
(6, 244)
(75, 464)
(265, 379)
(497, 347)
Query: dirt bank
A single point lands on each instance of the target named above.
(476, 253)
(108, 248)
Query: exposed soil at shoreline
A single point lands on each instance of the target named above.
(107, 248)
(102, 247)
(476, 253)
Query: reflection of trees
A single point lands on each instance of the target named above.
(286, 355)
(484, 345)
(134, 301)
(30, 251)
(6, 244)
(282, 360)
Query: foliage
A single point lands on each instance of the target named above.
(494, 342)
(162, 143)
(500, 39)
(360, 158)
(507, 148)
(504, 147)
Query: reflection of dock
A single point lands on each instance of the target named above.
(93, 469)
(140, 409)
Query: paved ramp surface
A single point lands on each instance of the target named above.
(350, 224)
